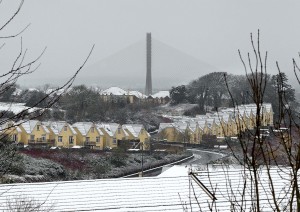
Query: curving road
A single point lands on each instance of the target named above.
(202, 157)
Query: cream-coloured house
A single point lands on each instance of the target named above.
(193, 129)
(35, 133)
(113, 133)
(138, 132)
(10, 131)
(115, 93)
(89, 135)
(227, 122)
(62, 133)
(172, 132)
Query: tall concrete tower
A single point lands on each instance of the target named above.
(148, 90)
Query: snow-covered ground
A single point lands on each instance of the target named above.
(16, 107)
(176, 110)
(173, 190)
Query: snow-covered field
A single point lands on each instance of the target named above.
(176, 110)
(16, 107)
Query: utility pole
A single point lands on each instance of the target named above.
(142, 159)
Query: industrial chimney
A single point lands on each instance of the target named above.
(148, 90)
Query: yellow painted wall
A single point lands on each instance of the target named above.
(144, 139)
(37, 132)
(64, 134)
(129, 136)
(120, 134)
(79, 137)
(11, 132)
(107, 139)
(100, 144)
(171, 134)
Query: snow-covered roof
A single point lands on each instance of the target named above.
(8, 125)
(84, 127)
(174, 190)
(110, 128)
(114, 91)
(57, 127)
(33, 89)
(29, 125)
(134, 129)
(162, 126)
(227, 114)
(137, 94)
(120, 92)
(161, 94)
(179, 126)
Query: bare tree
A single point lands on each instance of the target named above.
(25, 204)
(260, 153)
(268, 177)
(8, 79)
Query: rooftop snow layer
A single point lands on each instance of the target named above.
(137, 94)
(161, 94)
(114, 91)
(29, 125)
(175, 191)
(134, 129)
(58, 126)
(83, 127)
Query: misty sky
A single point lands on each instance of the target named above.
(210, 31)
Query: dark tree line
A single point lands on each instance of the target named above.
(211, 91)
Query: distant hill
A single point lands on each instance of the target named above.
(127, 68)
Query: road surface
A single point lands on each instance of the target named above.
(202, 157)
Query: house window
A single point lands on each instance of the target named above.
(32, 137)
(71, 141)
(14, 137)
(98, 139)
(92, 129)
(87, 139)
(65, 128)
(115, 141)
(60, 138)
(44, 137)
(37, 127)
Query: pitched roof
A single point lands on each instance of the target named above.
(8, 125)
(172, 191)
(29, 125)
(161, 94)
(137, 94)
(134, 129)
(84, 127)
(114, 91)
(110, 128)
(57, 126)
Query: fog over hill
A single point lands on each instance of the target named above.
(170, 67)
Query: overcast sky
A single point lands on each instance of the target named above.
(211, 31)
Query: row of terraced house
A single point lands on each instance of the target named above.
(80, 134)
(227, 122)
